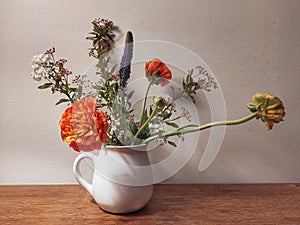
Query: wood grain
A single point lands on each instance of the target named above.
(171, 204)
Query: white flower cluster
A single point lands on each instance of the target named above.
(115, 122)
(156, 126)
(41, 65)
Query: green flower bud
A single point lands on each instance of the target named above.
(159, 102)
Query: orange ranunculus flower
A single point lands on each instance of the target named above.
(83, 127)
(157, 69)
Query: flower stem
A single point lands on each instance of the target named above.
(67, 90)
(143, 116)
(145, 124)
(203, 127)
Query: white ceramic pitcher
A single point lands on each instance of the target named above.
(122, 177)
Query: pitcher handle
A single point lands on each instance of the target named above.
(77, 173)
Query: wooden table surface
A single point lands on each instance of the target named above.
(171, 204)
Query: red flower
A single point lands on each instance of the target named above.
(156, 68)
(83, 127)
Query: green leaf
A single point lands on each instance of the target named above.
(172, 143)
(102, 94)
(144, 117)
(188, 79)
(150, 110)
(130, 94)
(44, 86)
(110, 37)
(166, 115)
(72, 89)
(191, 71)
(62, 101)
(172, 124)
(192, 98)
(252, 107)
(145, 133)
(133, 127)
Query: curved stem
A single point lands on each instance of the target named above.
(67, 89)
(203, 127)
(145, 124)
(143, 116)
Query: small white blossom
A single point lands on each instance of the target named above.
(115, 122)
(156, 126)
(41, 65)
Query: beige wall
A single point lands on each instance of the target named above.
(250, 46)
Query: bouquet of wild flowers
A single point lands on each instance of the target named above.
(106, 117)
